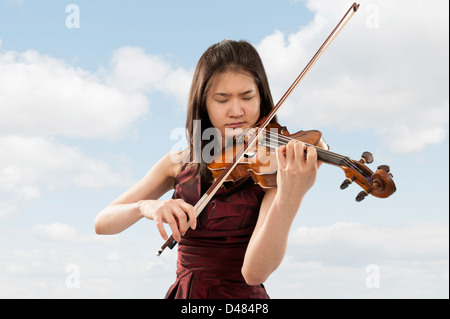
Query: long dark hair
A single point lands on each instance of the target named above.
(224, 56)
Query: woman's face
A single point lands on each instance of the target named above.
(233, 102)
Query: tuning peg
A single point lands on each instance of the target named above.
(345, 183)
(361, 196)
(366, 158)
(384, 168)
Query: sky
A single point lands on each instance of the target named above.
(93, 93)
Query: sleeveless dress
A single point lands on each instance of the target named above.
(210, 257)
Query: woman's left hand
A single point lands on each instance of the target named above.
(296, 172)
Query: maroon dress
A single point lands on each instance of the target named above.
(210, 257)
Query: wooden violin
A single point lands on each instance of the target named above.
(259, 161)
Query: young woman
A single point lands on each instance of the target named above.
(240, 237)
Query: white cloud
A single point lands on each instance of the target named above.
(40, 95)
(132, 70)
(42, 98)
(44, 273)
(333, 262)
(58, 232)
(27, 161)
(407, 139)
(423, 242)
(30, 166)
(113, 257)
(321, 262)
(7, 208)
(384, 71)
(65, 233)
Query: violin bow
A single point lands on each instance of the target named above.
(204, 200)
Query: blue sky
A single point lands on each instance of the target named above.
(85, 112)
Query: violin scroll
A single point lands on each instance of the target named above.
(379, 183)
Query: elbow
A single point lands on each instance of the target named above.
(253, 278)
(98, 228)
(102, 223)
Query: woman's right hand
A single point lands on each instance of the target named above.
(174, 212)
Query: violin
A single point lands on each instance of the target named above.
(259, 161)
(254, 144)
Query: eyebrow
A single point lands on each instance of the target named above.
(242, 93)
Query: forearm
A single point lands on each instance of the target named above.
(115, 218)
(296, 174)
(267, 248)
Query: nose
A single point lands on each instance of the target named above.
(236, 109)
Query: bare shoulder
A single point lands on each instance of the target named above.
(173, 162)
(167, 168)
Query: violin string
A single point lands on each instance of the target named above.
(325, 154)
(331, 157)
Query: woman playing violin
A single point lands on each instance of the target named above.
(240, 238)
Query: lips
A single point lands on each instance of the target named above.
(234, 125)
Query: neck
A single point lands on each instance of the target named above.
(275, 140)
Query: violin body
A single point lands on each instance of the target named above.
(259, 162)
